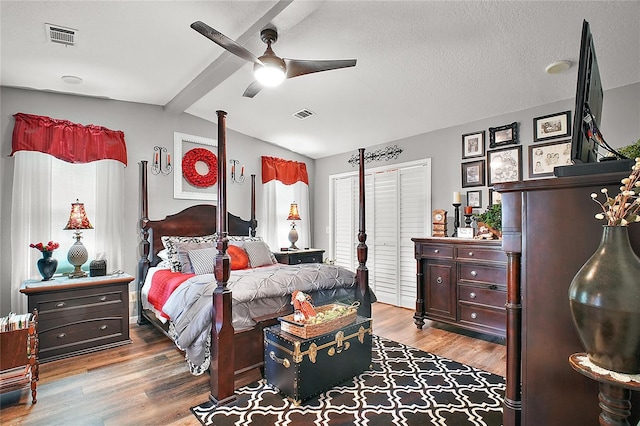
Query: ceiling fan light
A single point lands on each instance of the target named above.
(272, 73)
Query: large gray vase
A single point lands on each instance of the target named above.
(605, 303)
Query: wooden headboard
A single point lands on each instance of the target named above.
(191, 222)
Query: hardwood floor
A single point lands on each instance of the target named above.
(148, 382)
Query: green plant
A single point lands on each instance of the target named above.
(631, 151)
(491, 217)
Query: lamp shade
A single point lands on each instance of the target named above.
(78, 217)
(293, 212)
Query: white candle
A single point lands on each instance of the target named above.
(456, 198)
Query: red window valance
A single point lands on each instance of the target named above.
(286, 171)
(71, 142)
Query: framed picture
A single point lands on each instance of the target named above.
(552, 126)
(545, 156)
(503, 135)
(474, 199)
(494, 197)
(195, 173)
(473, 174)
(504, 165)
(473, 145)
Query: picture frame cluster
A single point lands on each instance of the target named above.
(500, 159)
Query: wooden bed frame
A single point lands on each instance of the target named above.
(242, 349)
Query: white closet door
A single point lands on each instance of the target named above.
(398, 202)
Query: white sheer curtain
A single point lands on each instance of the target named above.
(43, 190)
(277, 198)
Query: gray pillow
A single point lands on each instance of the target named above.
(178, 247)
(259, 253)
(203, 260)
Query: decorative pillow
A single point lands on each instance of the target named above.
(172, 244)
(259, 253)
(239, 257)
(202, 260)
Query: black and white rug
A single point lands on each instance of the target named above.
(405, 386)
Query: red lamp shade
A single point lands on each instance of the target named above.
(78, 217)
(293, 212)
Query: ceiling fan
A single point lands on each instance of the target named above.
(269, 69)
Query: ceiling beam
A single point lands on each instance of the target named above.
(222, 67)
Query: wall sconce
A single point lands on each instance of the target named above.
(234, 177)
(157, 167)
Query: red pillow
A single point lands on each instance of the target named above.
(239, 257)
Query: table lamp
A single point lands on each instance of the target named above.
(293, 233)
(78, 254)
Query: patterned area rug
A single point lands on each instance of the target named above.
(405, 386)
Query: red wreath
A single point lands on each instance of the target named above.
(189, 167)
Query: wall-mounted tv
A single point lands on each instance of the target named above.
(586, 139)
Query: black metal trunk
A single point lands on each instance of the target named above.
(303, 368)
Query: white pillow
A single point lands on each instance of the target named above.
(259, 253)
(163, 254)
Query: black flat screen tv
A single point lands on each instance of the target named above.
(586, 138)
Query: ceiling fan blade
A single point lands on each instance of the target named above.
(252, 90)
(224, 42)
(297, 67)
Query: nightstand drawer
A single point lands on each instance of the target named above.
(80, 335)
(70, 301)
(297, 257)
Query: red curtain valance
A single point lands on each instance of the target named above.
(285, 171)
(67, 141)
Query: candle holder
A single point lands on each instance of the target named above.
(235, 178)
(456, 219)
(467, 220)
(157, 167)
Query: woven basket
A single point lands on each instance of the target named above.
(306, 331)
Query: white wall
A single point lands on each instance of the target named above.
(144, 126)
(620, 127)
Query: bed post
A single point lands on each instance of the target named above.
(143, 263)
(362, 273)
(222, 334)
(254, 222)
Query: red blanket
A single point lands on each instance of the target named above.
(164, 282)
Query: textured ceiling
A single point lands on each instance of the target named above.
(422, 65)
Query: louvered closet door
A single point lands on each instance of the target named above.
(398, 201)
(343, 223)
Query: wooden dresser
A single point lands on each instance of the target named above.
(81, 315)
(461, 282)
(549, 231)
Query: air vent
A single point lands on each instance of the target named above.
(61, 35)
(303, 113)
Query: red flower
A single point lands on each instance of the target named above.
(50, 246)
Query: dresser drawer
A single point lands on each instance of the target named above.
(483, 317)
(482, 295)
(474, 253)
(84, 334)
(485, 274)
(435, 251)
(306, 258)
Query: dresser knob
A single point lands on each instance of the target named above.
(436, 251)
(60, 305)
(61, 336)
(470, 254)
(472, 295)
(474, 315)
(439, 280)
(104, 327)
(299, 260)
(474, 273)
(103, 298)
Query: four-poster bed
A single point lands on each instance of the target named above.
(236, 351)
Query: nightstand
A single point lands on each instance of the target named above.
(80, 315)
(294, 257)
